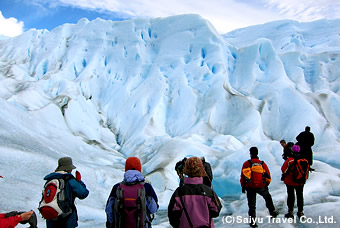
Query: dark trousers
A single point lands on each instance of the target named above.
(251, 196)
(68, 222)
(291, 190)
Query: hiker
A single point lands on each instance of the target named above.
(74, 187)
(13, 218)
(179, 167)
(133, 201)
(207, 179)
(287, 149)
(306, 140)
(292, 185)
(193, 204)
(256, 183)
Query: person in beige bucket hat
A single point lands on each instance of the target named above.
(74, 188)
(65, 164)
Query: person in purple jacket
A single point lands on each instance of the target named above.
(117, 216)
(194, 204)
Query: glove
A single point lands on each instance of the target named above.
(78, 176)
(11, 214)
(243, 190)
(283, 177)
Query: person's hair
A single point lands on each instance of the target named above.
(253, 152)
(307, 128)
(283, 141)
(194, 167)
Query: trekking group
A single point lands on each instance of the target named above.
(133, 202)
(255, 176)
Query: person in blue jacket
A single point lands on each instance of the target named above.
(132, 176)
(74, 188)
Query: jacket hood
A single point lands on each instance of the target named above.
(56, 175)
(193, 180)
(131, 176)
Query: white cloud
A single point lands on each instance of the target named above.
(10, 26)
(306, 10)
(225, 15)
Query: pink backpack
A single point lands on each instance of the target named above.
(130, 207)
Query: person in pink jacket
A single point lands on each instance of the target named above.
(193, 204)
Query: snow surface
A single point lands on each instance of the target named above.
(162, 89)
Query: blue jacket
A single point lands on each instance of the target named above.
(73, 189)
(131, 176)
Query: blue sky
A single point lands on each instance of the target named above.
(18, 16)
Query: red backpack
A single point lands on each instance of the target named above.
(130, 207)
(300, 169)
(255, 175)
(54, 202)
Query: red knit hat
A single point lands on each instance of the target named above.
(133, 163)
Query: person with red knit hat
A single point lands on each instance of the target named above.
(126, 191)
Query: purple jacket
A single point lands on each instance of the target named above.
(200, 201)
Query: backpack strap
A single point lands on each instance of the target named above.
(141, 206)
(250, 162)
(118, 206)
(184, 208)
(67, 192)
(292, 165)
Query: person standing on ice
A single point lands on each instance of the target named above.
(287, 149)
(306, 140)
(255, 178)
(133, 201)
(74, 188)
(193, 204)
(207, 179)
(180, 170)
(291, 184)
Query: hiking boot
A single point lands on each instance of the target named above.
(289, 215)
(300, 214)
(274, 214)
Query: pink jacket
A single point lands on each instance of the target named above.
(200, 201)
